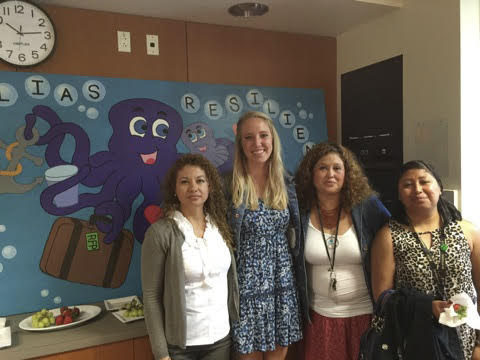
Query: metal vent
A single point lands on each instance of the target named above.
(248, 9)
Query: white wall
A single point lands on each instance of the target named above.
(470, 98)
(427, 34)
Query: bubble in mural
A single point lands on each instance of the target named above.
(190, 103)
(37, 86)
(213, 109)
(57, 299)
(44, 293)
(92, 113)
(307, 146)
(310, 116)
(65, 95)
(1, 267)
(299, 104)
(271, 108)
(93, 90)
(9, 252)
(81, 108)
(287, 119)
(8, 95)
(300, 133)
(254, 98)
(3, 228)
(303, 114)
(234, 104)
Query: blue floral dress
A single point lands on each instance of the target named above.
(269, 313)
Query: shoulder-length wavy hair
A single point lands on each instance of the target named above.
(243, 189)
(447, 211)
(356, 187)
(215, 206)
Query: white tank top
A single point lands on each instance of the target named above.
(352, 296)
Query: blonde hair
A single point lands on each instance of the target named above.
(243, 189)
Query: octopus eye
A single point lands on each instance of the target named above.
(160, 128)
(201, 133)
(138, 126)
(192, 137)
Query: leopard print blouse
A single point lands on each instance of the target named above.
(412, 268)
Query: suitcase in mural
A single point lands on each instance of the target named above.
(75, 252)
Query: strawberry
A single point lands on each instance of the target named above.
(456, 307)
(59, 320)
(67, 320)
(62, 309)
(67, 312)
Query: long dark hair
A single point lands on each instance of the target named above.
(215, 206)
(447, 211)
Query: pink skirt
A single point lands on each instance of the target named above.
(333, 338)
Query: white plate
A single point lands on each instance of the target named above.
(5, 337)
(87, 312)
(119, 315)
(116, 304)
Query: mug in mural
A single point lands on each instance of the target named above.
(59, 173)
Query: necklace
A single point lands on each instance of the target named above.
(331, 259)
(438, 272)
(329, 217)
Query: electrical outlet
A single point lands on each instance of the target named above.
(152, 45)
(123, 41)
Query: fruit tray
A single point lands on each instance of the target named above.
(118, 303)
(87, 312)
(124, 319)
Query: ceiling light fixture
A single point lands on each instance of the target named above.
(248, 9)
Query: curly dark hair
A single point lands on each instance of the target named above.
(447, 211)
(215, 206)
(356, 187)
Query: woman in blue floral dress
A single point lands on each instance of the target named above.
(264, 211)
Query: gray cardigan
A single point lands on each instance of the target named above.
(163, 285)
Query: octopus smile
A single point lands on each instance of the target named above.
(203, 148)
(149, 159)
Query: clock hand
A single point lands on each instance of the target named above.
(34, 32)
(18, 32)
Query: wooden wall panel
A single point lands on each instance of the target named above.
(87, 45)
(232, 55)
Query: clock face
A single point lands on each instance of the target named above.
(27, 35)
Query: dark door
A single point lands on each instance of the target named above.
(372, 121)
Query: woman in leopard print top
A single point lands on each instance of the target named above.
(426, 229)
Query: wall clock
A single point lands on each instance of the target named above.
(27, 34)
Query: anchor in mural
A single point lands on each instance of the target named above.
(14, 153)
(140, 151)
(199, 139)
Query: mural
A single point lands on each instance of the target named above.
(81, 166)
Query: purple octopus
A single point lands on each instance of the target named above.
(198, 137)
(140, 151)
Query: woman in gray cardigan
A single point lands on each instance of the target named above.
(189, 281)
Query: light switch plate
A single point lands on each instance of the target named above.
(152, 45)
(124, 41)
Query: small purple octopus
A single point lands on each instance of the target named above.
(198, 137)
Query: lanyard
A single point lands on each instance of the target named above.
(439, 272)
(331, 259)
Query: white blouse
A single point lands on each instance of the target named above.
(206, 262)
(352, 297)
